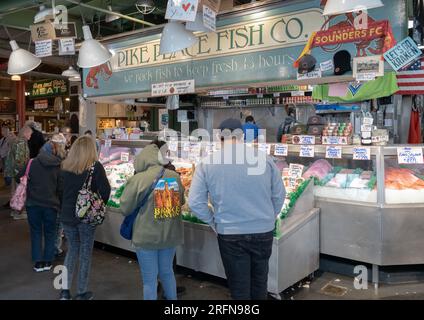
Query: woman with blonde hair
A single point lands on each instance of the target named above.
(81, 160)
(43, 202)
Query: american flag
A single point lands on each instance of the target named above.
(411, 79)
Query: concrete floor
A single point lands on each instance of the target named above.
(117, 277)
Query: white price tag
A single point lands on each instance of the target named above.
(307, 151)
(276, 95)
(361, 153)
(326, 65)
(108, 143)
(260, 95)
(333, 152)
(410, 155)
(281, 150)
(125, 156)
(365, 76)
(295, 170)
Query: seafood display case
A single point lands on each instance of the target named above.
(371, 210)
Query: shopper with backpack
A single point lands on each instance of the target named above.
(158, 228)
(83, 177)
(43, 202)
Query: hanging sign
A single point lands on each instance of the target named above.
(172, 88)
(65, 30)
(41, 104)
(410, 155)
(182, 10)
(307, 151)
(402, 54)
(42, 31)
(361, 153)
(333, 152)
(209, 18)
(51, 88)
(125, 156)
(281, 150)
(43, 48)
(66, 46)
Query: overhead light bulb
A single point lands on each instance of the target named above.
(21, 61)
(70, 72)
(92, 53)
(335, 7)
(15, 77)
(175, 38)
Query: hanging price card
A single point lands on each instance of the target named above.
(333, 152)
(125, 156)
(307, 151)
(281, 150)
(265, 147)
(361, 153)
(408, 155)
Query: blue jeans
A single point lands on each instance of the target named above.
(154, 263)
(42, 221)
(80, 249)
(245, 258)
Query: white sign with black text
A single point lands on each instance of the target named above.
(173, 88)
(43, 48)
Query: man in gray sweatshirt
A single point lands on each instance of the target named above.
(246, 192)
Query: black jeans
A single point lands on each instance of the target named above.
(245, 258)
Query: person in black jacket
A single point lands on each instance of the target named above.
(36, 142)
(80, 236)
(43, 202)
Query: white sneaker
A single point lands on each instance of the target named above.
(20, 216)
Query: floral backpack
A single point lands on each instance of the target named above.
(90, 207)
(19, 197)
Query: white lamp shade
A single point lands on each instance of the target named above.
(197, 25)
(70, 72)
(334, 7)
(92, 53)
(110, 16)
(175, 38)
(21, 61)
(75, 79)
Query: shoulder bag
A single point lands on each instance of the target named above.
(19, 197)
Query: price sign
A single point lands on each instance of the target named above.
(265, 148)
(361, 153)
(281, 150)
(276, 95)
(307, 151)
(125, 156)
(410, 155)
(303, 139)
(209, 18)
(108, 143)
(366, 76)
(295, 170)
(326, 65)
(333, 152)
(43, 48)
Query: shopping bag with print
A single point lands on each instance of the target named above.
(19, 197)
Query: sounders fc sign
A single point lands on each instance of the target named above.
(261, 34)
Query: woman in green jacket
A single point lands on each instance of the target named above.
(158, 228)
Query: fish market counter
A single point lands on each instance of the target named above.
(372, 211)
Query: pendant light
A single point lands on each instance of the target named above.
(43, 14)
(92, 53)
(335, 7)
(70, 72)
(21, 61)
(110, 16)
(75, 79)
(175, 38)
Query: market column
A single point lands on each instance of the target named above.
(20, 101)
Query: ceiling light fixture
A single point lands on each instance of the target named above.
(197, 25)
(145, 6)
(175, 38)
(74, 79)
(21, 61)
(335, 7)
(92, 53)
(15, 77)
(70, 72)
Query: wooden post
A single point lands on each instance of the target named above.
(20, 101)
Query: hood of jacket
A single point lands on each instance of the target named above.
(149, 157)
(48, 159)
